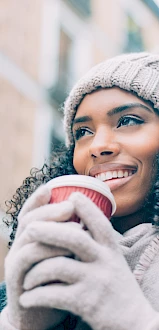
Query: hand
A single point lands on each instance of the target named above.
(99, 286)
(26, 253)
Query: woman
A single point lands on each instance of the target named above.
(111, 122)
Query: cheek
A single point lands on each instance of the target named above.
(148, 150)
(143, 149)
(134, 196)
(142, 145)
(146, 157)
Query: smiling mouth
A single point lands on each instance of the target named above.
(117, 174)
(117, 178)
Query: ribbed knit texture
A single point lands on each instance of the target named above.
(3, 299)
(134, 72)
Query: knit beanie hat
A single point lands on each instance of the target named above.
(134, 72)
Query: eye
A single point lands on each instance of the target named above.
(129, 121)
(80, 132)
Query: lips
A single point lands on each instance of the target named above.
(114, 169)
(115, 175)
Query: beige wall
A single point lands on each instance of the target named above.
(20, 30)
(16, 139)
(20, 34)
(150, 31)
(108, 17)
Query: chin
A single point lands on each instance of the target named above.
(127, 211)
(128, 206)
(127, 218)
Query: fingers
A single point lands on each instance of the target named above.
(40, 197)
(50, 212)
(26, 258)
(63, 235)
(57, 296)
(52, 270)
(94, 219)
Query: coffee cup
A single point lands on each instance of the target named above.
(99, 192)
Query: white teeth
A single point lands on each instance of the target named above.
(98, 177)
(109, 175)
(103, 178)
(126, 174)
(113, 174)
(120, 174)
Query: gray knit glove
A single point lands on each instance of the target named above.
(24, 254)
(97, 284)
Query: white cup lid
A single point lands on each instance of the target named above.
(86, 182)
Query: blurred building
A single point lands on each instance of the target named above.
(45, 46)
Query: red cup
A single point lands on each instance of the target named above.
(96, 190)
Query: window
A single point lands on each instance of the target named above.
(134, 41)
(83, 6)
(64, 75)
(65, 51)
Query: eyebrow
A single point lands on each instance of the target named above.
(113, 111)
(128, 106)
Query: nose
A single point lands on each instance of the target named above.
(104, 144)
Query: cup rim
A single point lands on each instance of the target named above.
(85, 182)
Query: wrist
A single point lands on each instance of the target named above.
(4, 321)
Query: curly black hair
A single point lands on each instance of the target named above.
(62, 164)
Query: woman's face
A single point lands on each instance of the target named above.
(116, 140)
